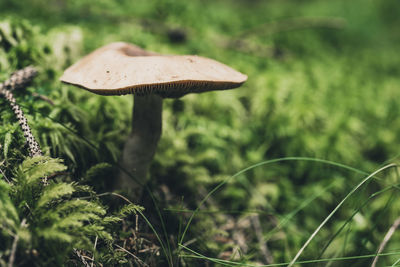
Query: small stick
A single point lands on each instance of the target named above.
(385, 240)
(4, 175)
(133, 255)
(255, 220)
(44, 98)
(137, 223)
(94, 249)
(81, 257)
(14, 246)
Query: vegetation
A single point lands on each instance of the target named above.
(298, 164)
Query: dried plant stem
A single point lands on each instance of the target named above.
(385, 240)
(255, 220)
(13, 251)
(94, 249)
(81, 258)
(14, 246)
(34, 149)
(133, 255)
(4, 175)
(19, 79)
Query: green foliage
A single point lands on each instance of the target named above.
(17, 45)
(53, 221)
(9, 215)
(61, 127)
(313, 91)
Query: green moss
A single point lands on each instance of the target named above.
(313, 91)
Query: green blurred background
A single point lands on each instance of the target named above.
(324, 83)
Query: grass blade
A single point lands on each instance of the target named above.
(336, 208)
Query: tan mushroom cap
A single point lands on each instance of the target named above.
(121, 68)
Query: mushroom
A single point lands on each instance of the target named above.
(121, 68)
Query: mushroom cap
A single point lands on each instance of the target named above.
(121, 68)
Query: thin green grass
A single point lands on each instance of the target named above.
(301, 250)
(283, 220)
(372, 196)
(336, 208)
(262, 164)
(396, 263)
(232, 263)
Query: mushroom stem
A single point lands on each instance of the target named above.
(142, 143)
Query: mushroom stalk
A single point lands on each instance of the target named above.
(122, 68)
(142, 143)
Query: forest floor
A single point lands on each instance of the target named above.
(300, 163)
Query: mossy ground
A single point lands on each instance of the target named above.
(323, 83)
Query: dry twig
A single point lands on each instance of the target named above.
(255, 221)
(385, 240)
(4, 175)
(81, 257)
(14, 246)
(94, 249)
(133, 255)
